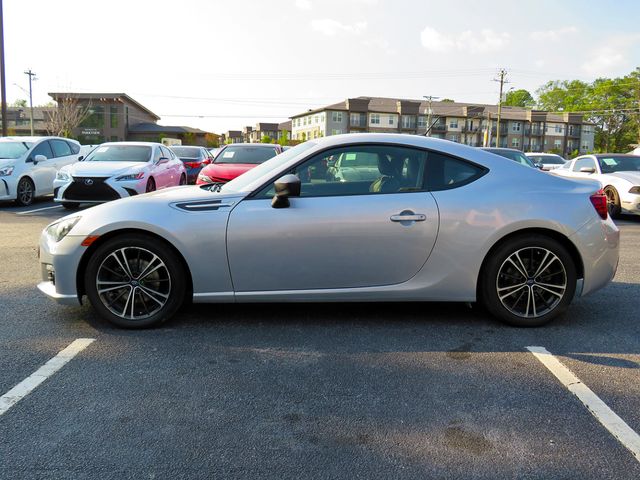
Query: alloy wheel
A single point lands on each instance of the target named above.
(25, 192)
(531, 282)
(133, 283)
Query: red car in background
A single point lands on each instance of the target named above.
(235, 159)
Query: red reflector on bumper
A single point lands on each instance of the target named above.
(89, 240)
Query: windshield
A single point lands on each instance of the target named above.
(13, 149)
(186, 152)
(120, 153)
(241, 183)
(245, 154)
(548, 159)
(620, 163)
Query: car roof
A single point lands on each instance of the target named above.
(543, 154)
(139, 144)
(20, 138)
(500, 149)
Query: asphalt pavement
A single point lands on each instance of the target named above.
(285, 391)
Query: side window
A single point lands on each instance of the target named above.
(360, 170)
(157, 153)
(445, 172)
(42, 149)
(60, 148)
(75, 148)
(166, 153)
(582, 163)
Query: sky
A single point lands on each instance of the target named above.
(220, 65)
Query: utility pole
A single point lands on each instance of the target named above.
(430, 98)
(502, 74)
(3, 90)
(31, 77)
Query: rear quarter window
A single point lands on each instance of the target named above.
(445, 172)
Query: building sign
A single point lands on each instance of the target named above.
(90, 131)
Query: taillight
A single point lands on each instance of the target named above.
(192, 164)
(599, 201)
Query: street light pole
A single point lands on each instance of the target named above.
(31, 75)
(3, 90)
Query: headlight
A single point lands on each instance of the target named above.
(6, 171)
(635, 190)
(204, 178)
(57, 231)
(64, 176)
(131, 176)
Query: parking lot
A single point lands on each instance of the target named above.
(316, 391)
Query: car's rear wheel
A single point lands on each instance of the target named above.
(613, 202)
(528, 281)
(151, 185)
(134, 281)
(70, 206)
(25, 193)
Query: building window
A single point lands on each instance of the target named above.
(375, 119)
(336, 116)
(95, 119)
(336, 131)
(453, 123)
(586, 130)
(408, 121)
(453, 138)
(515, 142)
(391, 120)
(354, 119)
(422, 121)
(113, 110)
(516, 126)
(557, 143)
(558, 129)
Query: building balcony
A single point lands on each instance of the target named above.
(439, 127)
(470, 129)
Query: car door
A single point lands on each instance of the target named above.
(167, 168)
(42, 173)
(62, 153)
(337, 234)
(157, 169)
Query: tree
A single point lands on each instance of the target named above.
(266, 139)
(519, 98)
(68, 115)
(448, 100)
(20, 103)
(212, 140)
(189, 138)
(284, 139)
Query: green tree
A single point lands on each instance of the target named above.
(447, 100)
(21, 103)
(284, 139)
(266, 139)
(519, 98)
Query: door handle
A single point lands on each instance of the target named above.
(408, 217)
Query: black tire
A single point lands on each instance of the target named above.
(25, 192)
(613, 202)
(499, 273)
(70, 206)
(103, 267)
(151, 185)
(183, 179)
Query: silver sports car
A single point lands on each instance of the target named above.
(441, 222)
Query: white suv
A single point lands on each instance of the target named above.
(28, 165)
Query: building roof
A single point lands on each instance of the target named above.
(285, 125)
(155, 128)
(103, 96)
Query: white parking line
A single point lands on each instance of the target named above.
(38, 210)
(607, 417)
(26, 386)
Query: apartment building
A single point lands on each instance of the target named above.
(524, 129)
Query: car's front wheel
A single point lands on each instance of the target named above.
(25, 193)
(134, 281)
(528, 281)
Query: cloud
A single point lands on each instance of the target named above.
(379, 44)
(612, 57)
(331, 27)
(482, 42)
(553, 35)
(303, 4)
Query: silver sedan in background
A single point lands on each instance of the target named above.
(441, 222)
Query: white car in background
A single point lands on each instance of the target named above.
(618, 173)
(28, 165)
(118, 170)
(546, 161)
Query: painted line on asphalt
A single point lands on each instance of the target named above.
(30, 383)
(607, 417)
(38, 210)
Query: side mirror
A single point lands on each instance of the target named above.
(162, 160)
(80, 158)
(206, 161)
(38, 158)
(286, 186)
(587, 170)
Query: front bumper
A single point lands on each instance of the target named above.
(7, 188)
(106, 189)
(630, 204)
(59, 265)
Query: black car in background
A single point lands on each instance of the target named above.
(194, 159)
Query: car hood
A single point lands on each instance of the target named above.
(631, 177)
(4, 162)
(103, 169)
(227, 171)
